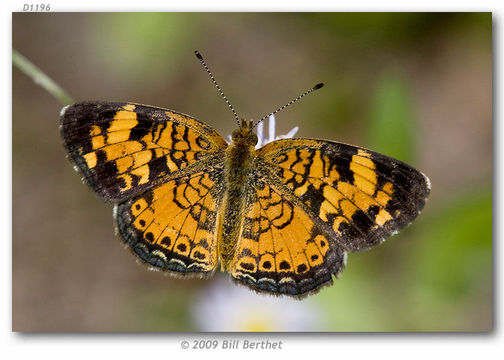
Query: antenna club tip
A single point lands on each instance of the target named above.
(318, 86)
(198, 55)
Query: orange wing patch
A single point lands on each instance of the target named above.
(280, 248)
(123, 149)
(357, 196)
(173, 227)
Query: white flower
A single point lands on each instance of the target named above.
(262, 140)
(224, 306)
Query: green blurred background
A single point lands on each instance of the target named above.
(415, 86)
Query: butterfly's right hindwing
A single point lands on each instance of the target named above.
(123, 149)
(281, 250)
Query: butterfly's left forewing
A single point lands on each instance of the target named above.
(123, 149)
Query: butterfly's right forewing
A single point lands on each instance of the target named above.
(358, 197)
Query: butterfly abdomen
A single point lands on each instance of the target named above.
(239, 157)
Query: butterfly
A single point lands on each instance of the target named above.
(280, 219)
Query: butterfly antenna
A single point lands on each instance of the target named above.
(316, 87)
(200, 58)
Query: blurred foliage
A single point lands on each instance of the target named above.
(158, 311)
(387, 30)
(382, 72)
(136, 40)
(391, 119)
(457, 237)
(453, 263)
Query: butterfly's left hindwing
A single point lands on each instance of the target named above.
(123, 149)
(173, 227)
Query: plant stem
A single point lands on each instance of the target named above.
(40, 78)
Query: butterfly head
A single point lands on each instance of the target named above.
(244, 135)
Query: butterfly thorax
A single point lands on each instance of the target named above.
(239, 158)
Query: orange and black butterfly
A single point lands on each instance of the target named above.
(280, 219)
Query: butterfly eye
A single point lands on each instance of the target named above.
(253, 139)
(235, 136)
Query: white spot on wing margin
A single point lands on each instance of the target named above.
(62, 111)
